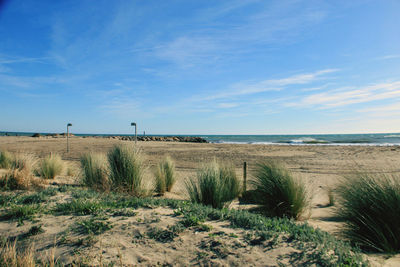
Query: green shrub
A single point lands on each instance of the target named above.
(95, 171)
(165, 176)
(24, 212)
(126, 170)
(50, 166)
(5, 159)
(93, 226)
(79, 207)
(370, 207)
(278, 193)
(214, 185)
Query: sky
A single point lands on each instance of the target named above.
(200, 67)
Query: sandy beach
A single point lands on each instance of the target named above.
(320, 167)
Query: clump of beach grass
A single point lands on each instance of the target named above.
(24, 162)
(19, 176)
(278, 192)
(9, 256)
(214, 185)
(50, 166)
(6, 159)
(165, 177)
(370, 206)
(126, 170)
(15, 179)
(95, 171)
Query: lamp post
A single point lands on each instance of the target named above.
(134, 124)
(69, 124)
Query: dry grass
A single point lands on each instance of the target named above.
(20, 174)
(10, 257)
(24, 161)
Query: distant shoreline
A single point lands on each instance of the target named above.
(382, 139)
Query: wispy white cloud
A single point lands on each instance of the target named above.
(388, 57)
(248, 88)
(386, 108)
(122, 106)
(210, 40)
(344, 97)
(227, 105)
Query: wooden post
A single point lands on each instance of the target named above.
(244, 176)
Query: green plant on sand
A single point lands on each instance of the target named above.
(370, 207)
(126, 170)
(165, 176)
(278, 193)
(50, 166)
(6, 159)
(214, 185)
(95, 171)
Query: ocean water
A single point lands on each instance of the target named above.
(322, 139)
(384, 139)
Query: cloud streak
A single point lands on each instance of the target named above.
(338, 98)
(249, 88)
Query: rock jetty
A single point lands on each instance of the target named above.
(190, 139)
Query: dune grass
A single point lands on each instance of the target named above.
(370, 207)
(214, 185)
(19, 175)
(164, 176)
(126, 170)
(24, 162)
(95, 171)
(278, 193)
(10, 257)
(6, 159)
(50, 166)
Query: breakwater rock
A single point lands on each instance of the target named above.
(190, 139)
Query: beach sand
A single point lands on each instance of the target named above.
(320, 167)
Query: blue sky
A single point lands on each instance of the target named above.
(200, 67)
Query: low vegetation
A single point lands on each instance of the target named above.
(24, 162)
(214, 185)
(126, 170)
(370, 207)
(95, 171)
(278, 193)
(19, 175)
(50, 166)
(315, 247)
(6, 159)
(165, 176)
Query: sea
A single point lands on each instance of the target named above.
(381, 139)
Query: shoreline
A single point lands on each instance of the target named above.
(199, 139)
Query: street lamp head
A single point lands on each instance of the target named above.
(133, 124)
(69, 124)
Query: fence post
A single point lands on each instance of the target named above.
(244, 176)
